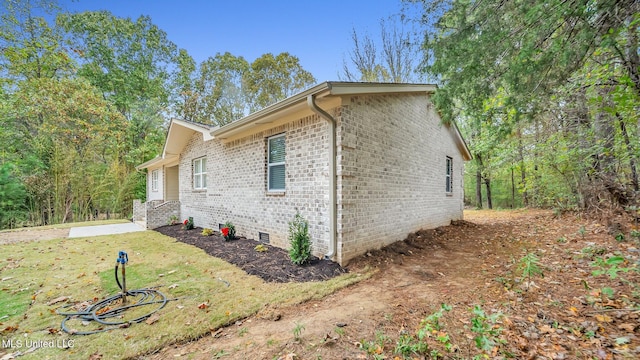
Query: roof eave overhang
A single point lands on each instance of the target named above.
(297, 104)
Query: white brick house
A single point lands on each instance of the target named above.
(365, 163)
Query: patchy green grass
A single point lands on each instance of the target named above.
(81, 269)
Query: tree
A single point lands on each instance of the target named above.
(29, 47)
(393, 61)
(13, 198)
(75, 136)
(536, 56)
(127, 60)
(219, 85)
(273, 78)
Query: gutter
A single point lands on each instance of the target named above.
(333, 244)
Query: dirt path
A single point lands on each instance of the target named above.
(454, 264)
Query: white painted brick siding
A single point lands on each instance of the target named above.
(391, 175)
(237, 189)
(391, 167)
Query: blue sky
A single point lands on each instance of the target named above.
(317, 32)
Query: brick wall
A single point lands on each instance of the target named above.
(160, 212)
(139, 210)
(391, 175)
(392, 152)
(237, 188)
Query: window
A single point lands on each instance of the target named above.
(449, 177)
(154, 180)
(200, 173)
(275, 163)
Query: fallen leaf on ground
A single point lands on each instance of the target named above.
(153, 318)
(203, 306)
(57, 300)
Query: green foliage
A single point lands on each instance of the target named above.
(486, 329)
(188, 224)
(207, 232)
(232, 230)
(611, 266)
(299, 239)
(549, 121)
(409, 345)
(529, 266)
(274, 78)
(13, 198)
(582, 231)
(261, 248)
(375, 347)
(297, 331)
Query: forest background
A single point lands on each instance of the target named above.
(545, 92)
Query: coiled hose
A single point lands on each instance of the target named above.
(102, 312)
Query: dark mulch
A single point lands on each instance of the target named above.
(273, 265)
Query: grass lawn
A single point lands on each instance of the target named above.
(33, 274)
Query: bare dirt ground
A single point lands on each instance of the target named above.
(10, 237)
(569, 313)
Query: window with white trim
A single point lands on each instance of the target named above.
(155, 174)
(449, 176)
(200, 173)
(275, 163)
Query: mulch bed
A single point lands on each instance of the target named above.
(273, 265)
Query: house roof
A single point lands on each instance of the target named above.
(296, 105)
(297, 102)
(179, 133)
(327, 95)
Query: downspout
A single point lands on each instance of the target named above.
(311, 102)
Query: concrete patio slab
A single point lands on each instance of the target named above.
(98, 230)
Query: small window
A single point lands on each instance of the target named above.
(449, 176)
(200, 173)
(275, 163)
(154, 180)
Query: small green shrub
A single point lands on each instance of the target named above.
(173, 220)
(486, 329)
(188, 224)
(207, 232)
(582, 231)
(297, 331)
(529, 266)
(300, 251)
(229, 234)
(261, 248)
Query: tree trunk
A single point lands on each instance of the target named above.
(487, 183)
(513, 189)
(632, 159)
(523, 175)
(479, 182)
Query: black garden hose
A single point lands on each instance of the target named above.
(102, 313)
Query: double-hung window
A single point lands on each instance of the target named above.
(275, 163)
(154, 180)
(449, 176)
(200, 173)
